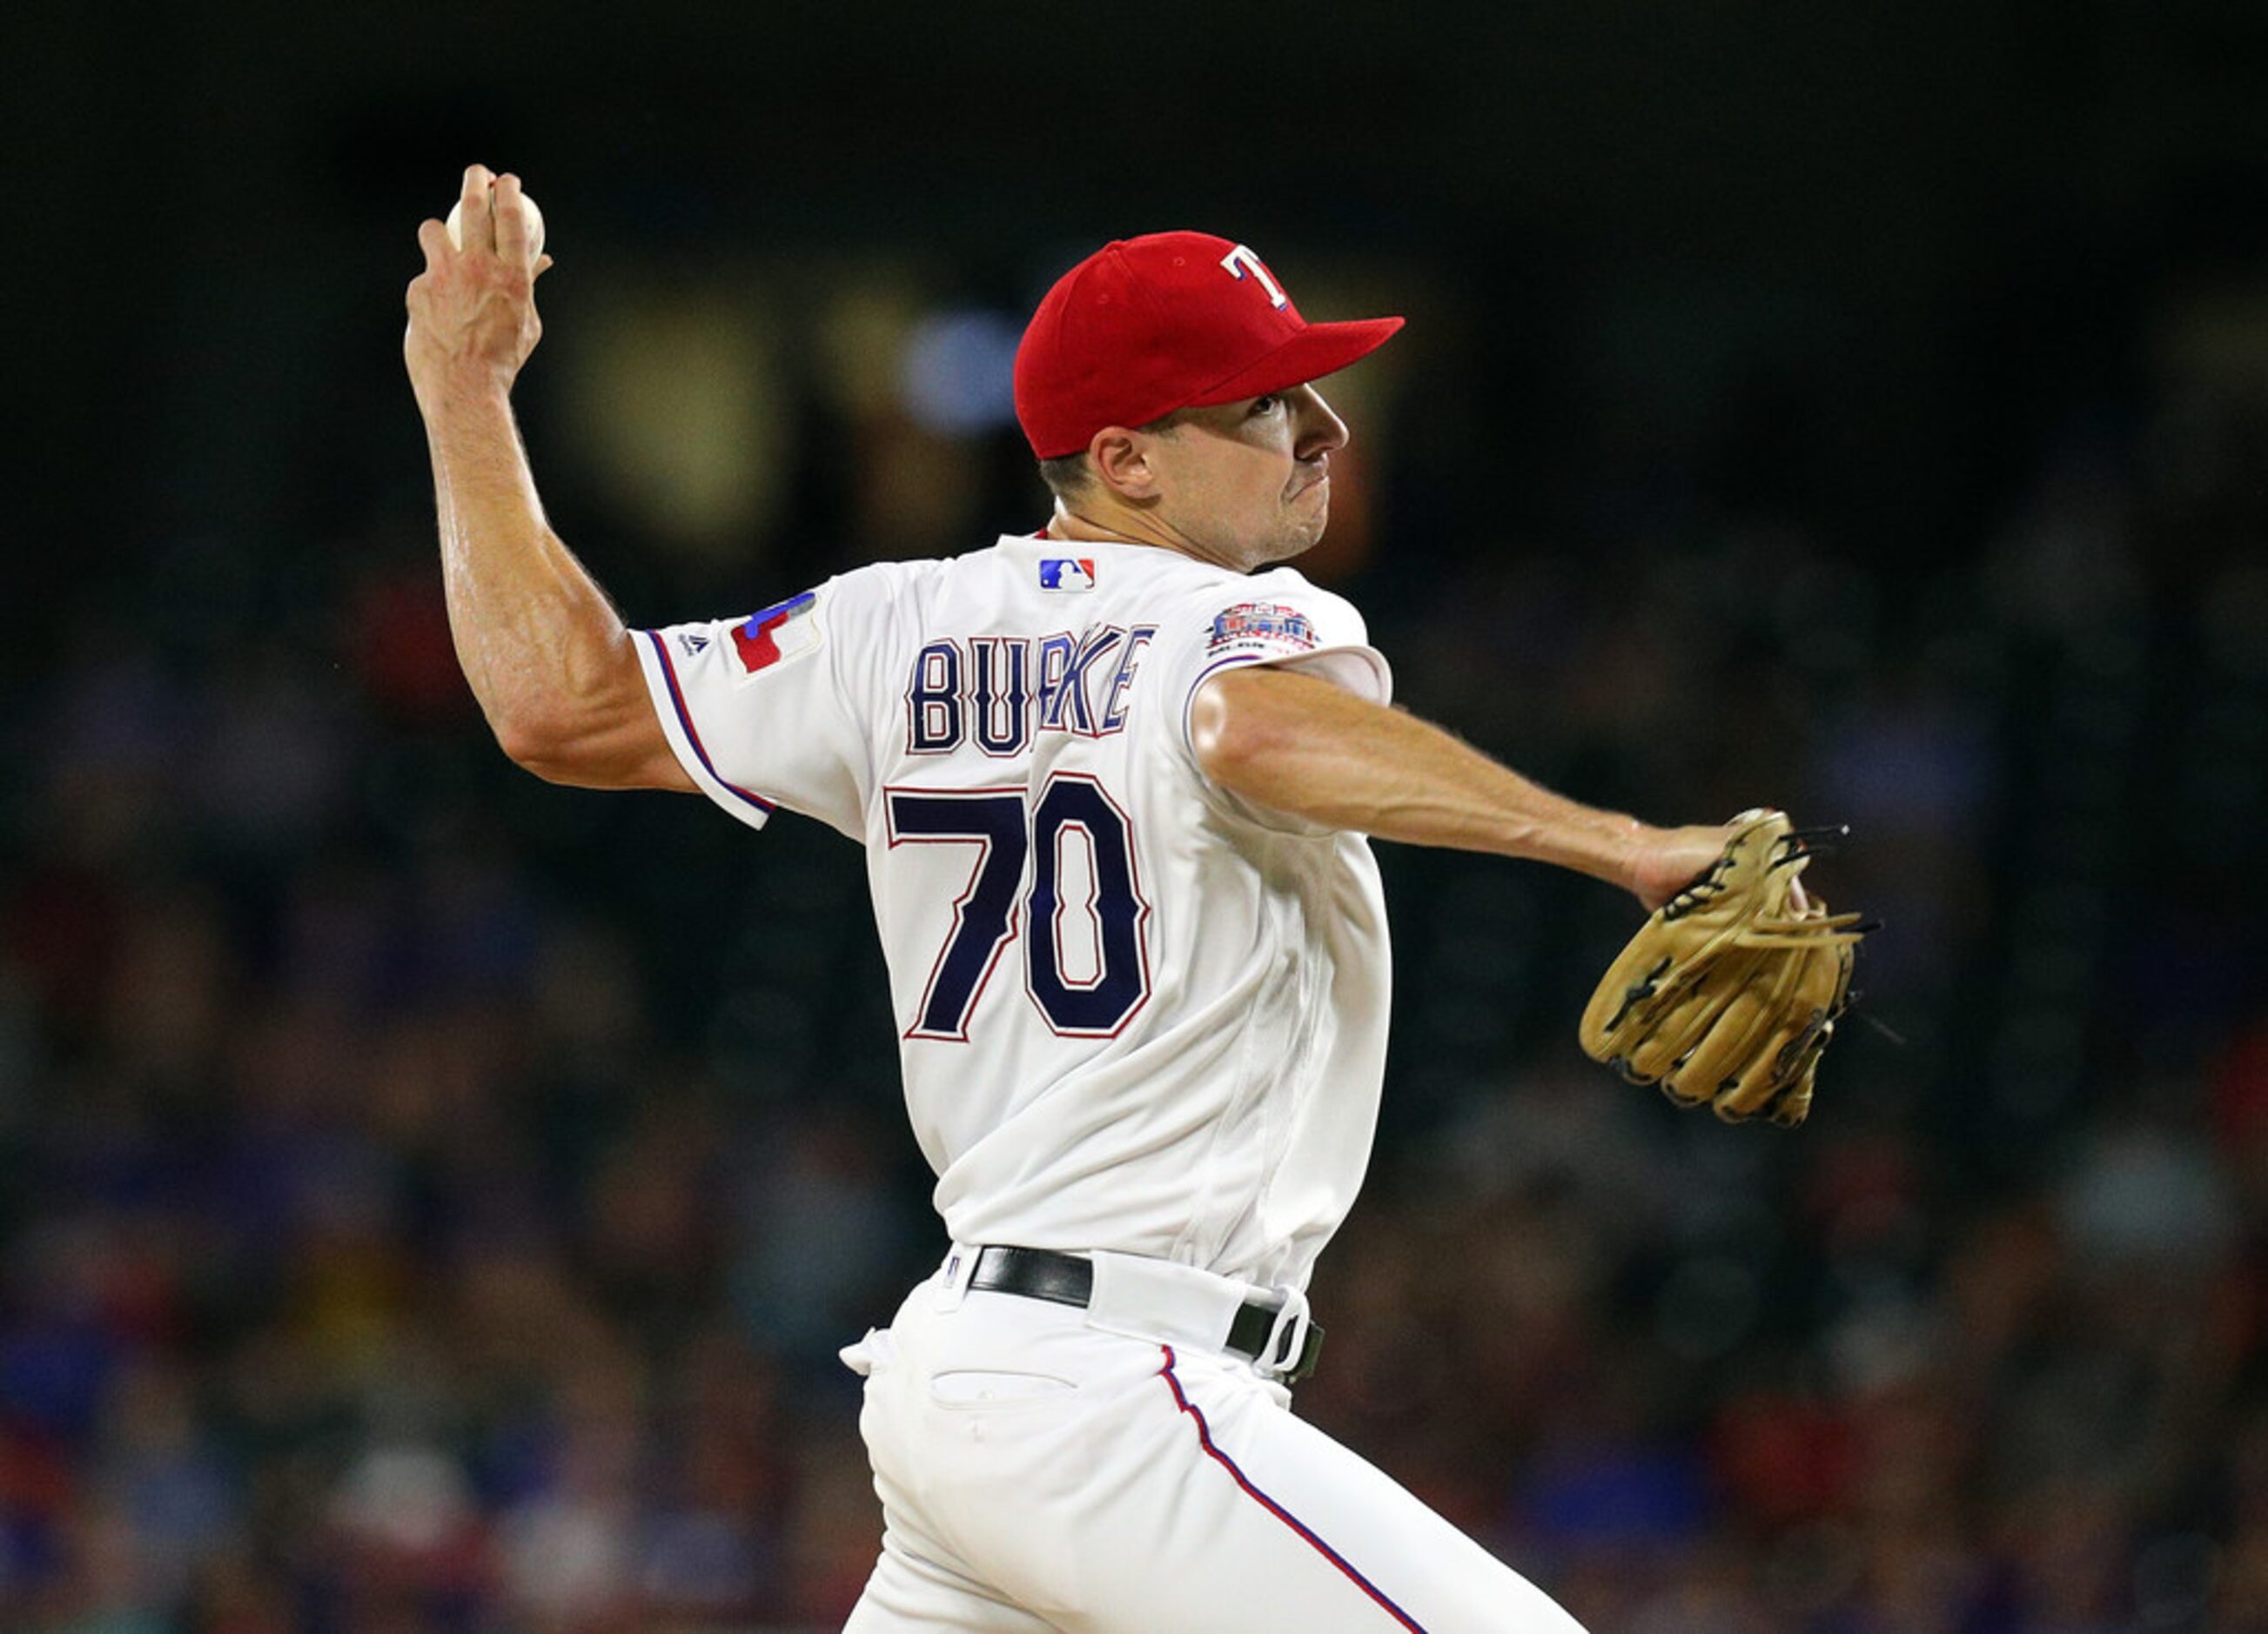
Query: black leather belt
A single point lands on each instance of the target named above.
(1067, 1279)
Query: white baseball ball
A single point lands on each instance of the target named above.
(527, 204)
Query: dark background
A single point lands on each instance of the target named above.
(429, 1198)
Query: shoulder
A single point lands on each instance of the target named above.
(982, 561)
(1204, 584)
(884, 578)
(1288, 583)
(1284, 604)
(901, 584)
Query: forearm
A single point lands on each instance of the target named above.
(1296, 744)
(539, 641)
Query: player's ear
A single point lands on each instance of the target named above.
(1122, 463)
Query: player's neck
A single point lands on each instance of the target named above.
(1119, 524)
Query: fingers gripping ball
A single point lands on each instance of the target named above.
(455, 223)
(1728, 994)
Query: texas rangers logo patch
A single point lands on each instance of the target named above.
(779, 633)
(1067, 573)
(1262, 624)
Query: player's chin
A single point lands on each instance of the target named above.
(1297, 537)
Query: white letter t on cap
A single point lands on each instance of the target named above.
(1240, 261)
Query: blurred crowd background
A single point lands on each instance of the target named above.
(430, 1199)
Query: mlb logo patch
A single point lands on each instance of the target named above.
(1067, 573)
(1262, 623)
(779, 633)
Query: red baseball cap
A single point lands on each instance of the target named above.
(1168, 320)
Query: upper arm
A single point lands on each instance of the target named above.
(1241, 717)
(1262, 672)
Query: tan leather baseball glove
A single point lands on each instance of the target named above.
(1729, 993)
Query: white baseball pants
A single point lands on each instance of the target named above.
(1108, 1471)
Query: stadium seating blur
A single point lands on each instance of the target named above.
(433, 1198)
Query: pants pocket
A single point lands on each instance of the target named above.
(980, 1387)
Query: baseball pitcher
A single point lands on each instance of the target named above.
(1114, 779)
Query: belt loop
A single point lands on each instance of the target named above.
(952, 1277)
(1287, 1335)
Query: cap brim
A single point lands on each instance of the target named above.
(1316, 351)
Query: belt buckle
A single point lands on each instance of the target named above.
(1295, 1340)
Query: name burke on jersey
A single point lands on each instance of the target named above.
(1000, 690)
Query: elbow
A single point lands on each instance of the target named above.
(536, 745)
(593, 749)
(601, 733)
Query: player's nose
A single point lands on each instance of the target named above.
(1320, 429)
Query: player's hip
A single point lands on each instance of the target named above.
(1095, 1316)
(1039, 1357)
(1013, 1435)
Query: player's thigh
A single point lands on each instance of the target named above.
(908, 1593)
(1235, 1515)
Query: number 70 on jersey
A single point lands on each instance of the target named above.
(1092, 996)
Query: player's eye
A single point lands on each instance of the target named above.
(1265, 405)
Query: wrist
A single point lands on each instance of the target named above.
(1631, 843)
(1608, 846)
(444, 384)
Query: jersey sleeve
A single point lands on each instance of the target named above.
(1276, 618)
(764, 712)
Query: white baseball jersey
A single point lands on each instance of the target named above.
(1135, 1014)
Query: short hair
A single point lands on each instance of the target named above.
(1067, 475)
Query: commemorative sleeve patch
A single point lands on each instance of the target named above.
(1265, 625)
(784, 631)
